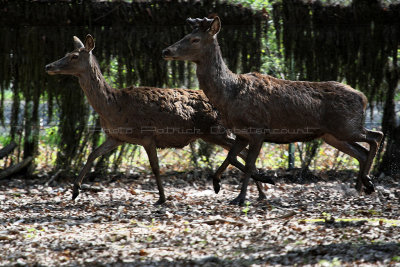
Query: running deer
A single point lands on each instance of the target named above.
(147, 116)
(260, 108)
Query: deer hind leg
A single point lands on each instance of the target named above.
(373, 138)
(104, 148)
(352, 149)
(151, 151)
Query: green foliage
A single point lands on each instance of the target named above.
(396, 258)
(4, 139)
(397, 96)
(247, 208)
(110, 72)
(308, 151)
(8, 94)
(254, 4)
(327, 263)
(50, 136)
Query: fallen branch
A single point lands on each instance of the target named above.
(15, 168)
(53, 177)
(284, 216)
(220, 220)
(91, 188)
(7, 149)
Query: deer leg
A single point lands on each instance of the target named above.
(151, 151)
(352, 149)
(217, 176)
(104, 148)
(261, 194)
(234, 150)
(256, 176)
(250, 168)
(228, 144)
(373, 138)
(240, 166)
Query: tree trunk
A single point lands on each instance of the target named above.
(390, 163)
(19, 167)
(5, 151)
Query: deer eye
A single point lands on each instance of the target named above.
(195, 40)
(74, 57)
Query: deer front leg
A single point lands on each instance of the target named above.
(250, 169)
(151, 151)
(228, 143)
(104, 148)
(236, 148)
(258, 178)
(232, 159)
(217, 176)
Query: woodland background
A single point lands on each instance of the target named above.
(312, 215)
(50, 120)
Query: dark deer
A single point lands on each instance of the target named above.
(151, 117)
(260, 108)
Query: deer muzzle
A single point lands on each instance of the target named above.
(167, 54)
(50, 69)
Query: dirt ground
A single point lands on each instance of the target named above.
(320, 220)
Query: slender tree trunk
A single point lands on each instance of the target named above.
(390, 163)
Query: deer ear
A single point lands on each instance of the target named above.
(77, 43)
(215, 26)
(89, 43)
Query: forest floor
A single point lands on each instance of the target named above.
(317, 220)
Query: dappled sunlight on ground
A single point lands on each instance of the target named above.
(113, 221)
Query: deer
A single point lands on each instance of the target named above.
(260, 108)
(147, 116)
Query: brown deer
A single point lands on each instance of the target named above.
(147, 116)
(260, 108)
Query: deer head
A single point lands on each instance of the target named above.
(193, 46)
(74, 62)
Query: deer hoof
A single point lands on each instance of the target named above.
(75, 191)
(239, 201)
(216, 186)
(369, 187)
(261, 197)
(160, 202)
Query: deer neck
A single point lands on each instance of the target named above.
(98, 92)
(215, 78)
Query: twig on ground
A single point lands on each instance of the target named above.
(53, 177)
(284, 216)
(220, 220)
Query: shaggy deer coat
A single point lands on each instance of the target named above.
(147, 116)
(260, 108)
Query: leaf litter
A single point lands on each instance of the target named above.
(114, 223)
